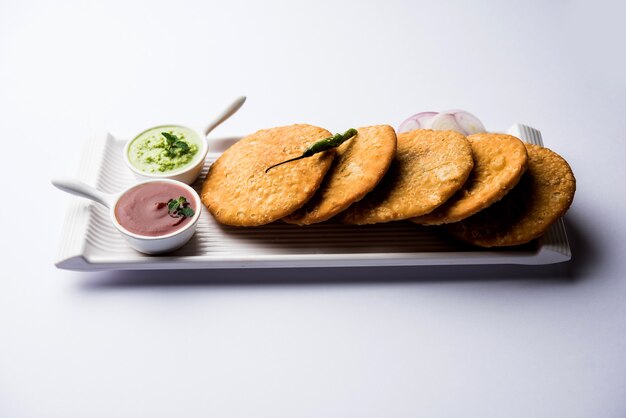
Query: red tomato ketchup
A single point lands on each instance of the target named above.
(143, 210)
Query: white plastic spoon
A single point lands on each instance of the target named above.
(78, 188)
(228, 112)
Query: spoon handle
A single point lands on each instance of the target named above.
(228, 112)
(78, 188)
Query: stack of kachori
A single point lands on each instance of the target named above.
(488, 189)
(544, 194)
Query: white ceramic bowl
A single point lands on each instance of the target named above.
(186, 174)
(161, 243)
(142, 243)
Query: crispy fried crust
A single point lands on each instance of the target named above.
(360, 164)
(499, 162)
(429, 167)
(544, 194)
(238, 191)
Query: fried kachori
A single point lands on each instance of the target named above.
(429, 167)
(239, 192)
(360, 164)
(499, 162)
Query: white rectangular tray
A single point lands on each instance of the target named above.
(89, 242)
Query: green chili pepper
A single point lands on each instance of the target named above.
(322, 145)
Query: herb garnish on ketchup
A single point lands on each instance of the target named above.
(177, 208)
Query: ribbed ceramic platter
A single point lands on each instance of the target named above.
(89, 241)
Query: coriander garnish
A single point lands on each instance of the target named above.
(177, 208)
(174, 145)
(322, 145)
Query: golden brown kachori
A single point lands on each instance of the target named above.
(429, 167)
(237, 190)
(361, 162)
(499, 162)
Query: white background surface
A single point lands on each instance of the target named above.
(505, 341)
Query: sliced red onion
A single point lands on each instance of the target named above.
(469, 123)
(417, 121)
(445, 122)
(454, 120)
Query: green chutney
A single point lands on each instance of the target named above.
(153, 152)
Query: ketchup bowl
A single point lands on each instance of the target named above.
(154, 216)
